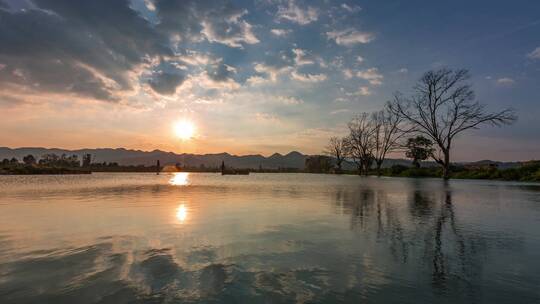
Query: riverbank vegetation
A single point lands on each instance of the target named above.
(47, 164)
(529, 171)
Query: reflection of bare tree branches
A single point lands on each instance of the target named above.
(364, 203)
(445, 251)
(430, 226)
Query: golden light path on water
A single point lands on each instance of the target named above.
(179, 179)
(181, 213)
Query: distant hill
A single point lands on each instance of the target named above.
(137, 157)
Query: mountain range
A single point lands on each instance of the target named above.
(124, 156)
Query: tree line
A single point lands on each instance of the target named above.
(55, 160)
(424, 124)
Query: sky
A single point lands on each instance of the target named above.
(255, 77)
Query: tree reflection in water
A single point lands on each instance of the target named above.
(428, 236)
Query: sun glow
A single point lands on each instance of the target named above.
(179, 179)
(184, 129)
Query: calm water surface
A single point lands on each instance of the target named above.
(267, 238)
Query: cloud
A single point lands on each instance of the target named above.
(215, 21)
(232, 32)
(348, 73)
(535, 54)
(271, 71)
(301, 57)
(341, 99)
(505, 81)
(256, 80)
(191, 57)
(289, 100)
(349, 37)
(149, 4)
(351, 8)
(221, 72)
(294, 13)
(10, 101)
(64, 53)
(363, 91)
(207, 81)
(312, 78)
(359, 59)
(340, 111)
(267, 118)
(74, 48)
(280, 32)
(372, 75)
(166, 83)
(403, 71)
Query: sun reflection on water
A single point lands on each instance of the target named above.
(179, 179)
(181, 213)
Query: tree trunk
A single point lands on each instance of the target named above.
(339, 170)
(379, 165)
(446, 164)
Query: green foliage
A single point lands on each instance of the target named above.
(419, 148)
(62, 161)
(318, 164)
(527, 172)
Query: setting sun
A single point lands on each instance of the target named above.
(184, 129)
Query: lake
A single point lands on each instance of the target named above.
(267, 238)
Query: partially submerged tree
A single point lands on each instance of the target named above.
(442, 107)
(387, 131)
(419, 148)
(360, 144)
(336, 149)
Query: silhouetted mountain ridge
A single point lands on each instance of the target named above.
(122, 156)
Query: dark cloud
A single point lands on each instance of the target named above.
(81, 47)
(166, 83)
(98, 49)
(216, 21)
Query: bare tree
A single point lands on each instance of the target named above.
(442, 107)
(336, 149)
(360, 144)
(387, 131)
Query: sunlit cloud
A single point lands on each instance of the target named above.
(280, 32)
(535, 54)
(372, 75)
(349, 37)
(294, 13)
(311, 78)
(506, 81)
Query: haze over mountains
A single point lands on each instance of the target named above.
(123, 156)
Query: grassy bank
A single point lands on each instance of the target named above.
(527, 172)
